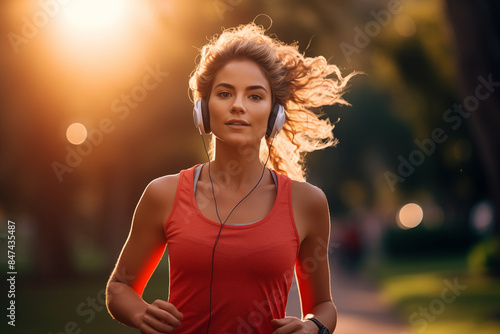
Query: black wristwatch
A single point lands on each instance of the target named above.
(322, 329)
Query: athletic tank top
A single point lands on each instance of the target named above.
(253, 267)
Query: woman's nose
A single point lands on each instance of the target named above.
(238, 105)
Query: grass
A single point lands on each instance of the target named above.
(420, 291)
(74, 307)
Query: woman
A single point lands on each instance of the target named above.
(236, 230)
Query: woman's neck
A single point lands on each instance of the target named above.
(236, 167)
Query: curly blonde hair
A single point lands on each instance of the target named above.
(297, 82)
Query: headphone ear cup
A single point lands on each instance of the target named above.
(206, 116)
(201, 116)
(276, 120)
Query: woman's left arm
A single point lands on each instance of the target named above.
(312, 216)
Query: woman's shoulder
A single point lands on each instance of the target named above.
(164, 183)
(307, 195)
(161, 190)
(310, 210)
(164, 187)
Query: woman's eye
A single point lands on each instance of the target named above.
(255, 97)
(224, 94)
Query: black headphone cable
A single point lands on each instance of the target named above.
(220, 220)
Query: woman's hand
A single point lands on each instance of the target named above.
(160, 317)
(294, 325)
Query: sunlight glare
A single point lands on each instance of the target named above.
(103, 43)
(93, 15)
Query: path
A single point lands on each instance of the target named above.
(360, 308)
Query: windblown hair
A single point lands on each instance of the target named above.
(297, 82)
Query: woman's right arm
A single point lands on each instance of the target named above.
(140, 255)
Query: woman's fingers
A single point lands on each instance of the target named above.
(161, 317)
(169, 307)
(165, 315)
(157, 324)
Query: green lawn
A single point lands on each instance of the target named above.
(74, 307)
(440, 296)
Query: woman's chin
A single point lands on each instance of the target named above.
(239, 140)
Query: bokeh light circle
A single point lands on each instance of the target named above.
(410, 215)
(76, 133)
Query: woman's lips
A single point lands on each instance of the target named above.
(237, 123)
(237, 126)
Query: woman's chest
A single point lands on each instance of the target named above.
(265, 250)
(235, 209)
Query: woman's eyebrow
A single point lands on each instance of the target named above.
(223, 84)
(257, 87)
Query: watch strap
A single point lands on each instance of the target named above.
(322, 328)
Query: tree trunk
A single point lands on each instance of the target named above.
(476, 38)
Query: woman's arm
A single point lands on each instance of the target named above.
(311, 211)
(312, 267)
(140, 255)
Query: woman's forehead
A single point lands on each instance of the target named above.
(241, 73)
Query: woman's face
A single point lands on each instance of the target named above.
(240, 103)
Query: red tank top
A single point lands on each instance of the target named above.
(253, 266)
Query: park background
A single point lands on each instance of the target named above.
(422, 130)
